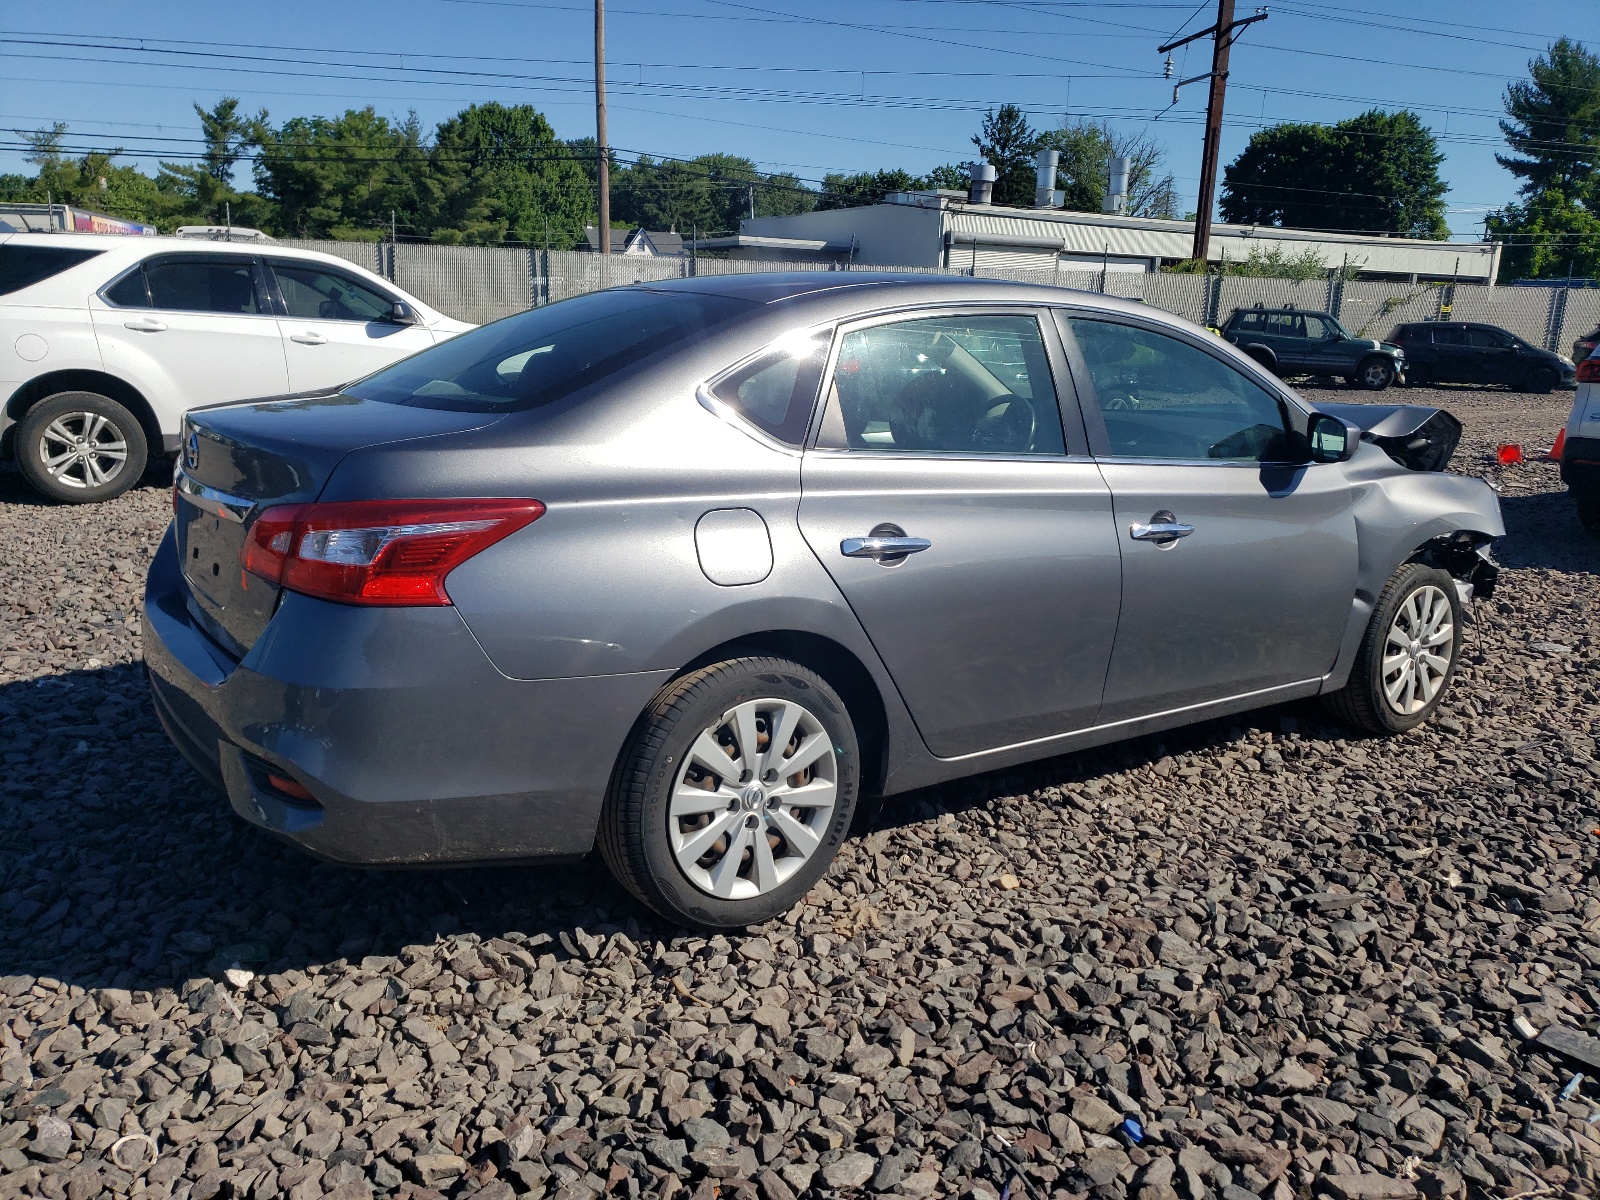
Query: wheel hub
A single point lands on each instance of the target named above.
(752, 798)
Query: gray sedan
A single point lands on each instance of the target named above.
(686, 569)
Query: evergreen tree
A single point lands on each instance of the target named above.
(1008, 143)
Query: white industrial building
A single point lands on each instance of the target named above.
(949, 229)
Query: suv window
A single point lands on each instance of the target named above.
(316, 293)
(1412, 334)
(1160, 397)
(194, 284)
(1290, 325)
(775, 392)
(544, 354)
(1449, 335)
(24, 266)
(945, 385)
(1254, 321)
(1317, 329)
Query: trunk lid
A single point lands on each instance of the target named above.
(237, 460)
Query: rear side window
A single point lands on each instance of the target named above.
(313, 293)
(24, 266)
(129, 291)
(775, 392)
(219, 285)
(1247, 321)
(542, 355)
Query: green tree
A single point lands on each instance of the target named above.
(1008, 143)
(1548, 236)
(1377, 172)
(865, 187)
(1554, 125)
(334, 177)
(499, 173)
(707, 195)
(951, 177)
(207, 185)
(92, 181)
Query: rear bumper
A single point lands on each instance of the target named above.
(414, 748)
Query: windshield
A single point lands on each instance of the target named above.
(544, 354)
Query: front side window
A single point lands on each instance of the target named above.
(1490, 339)
(544, 354)
(218, 285)
(775, 391)
(1317, 329)
(1160, 397)
(945, 385)
(314, 293)
(24, 266)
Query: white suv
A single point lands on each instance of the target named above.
(106, 341)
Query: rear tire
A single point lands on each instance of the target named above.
(1407, 657)
(80, 447)
(1373, 375)
(683, 778)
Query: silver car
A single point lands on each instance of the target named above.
(687, 569)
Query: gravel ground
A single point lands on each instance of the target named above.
(1302, 962)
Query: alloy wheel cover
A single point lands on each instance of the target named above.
(753, 799)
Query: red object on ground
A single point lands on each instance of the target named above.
(1508, 454)
(1561, 444)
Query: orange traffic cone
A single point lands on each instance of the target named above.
(1561, 444)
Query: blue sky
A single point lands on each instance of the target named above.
(808, 87)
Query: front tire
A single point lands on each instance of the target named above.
(81, 447)
(1408, 656)
(734, 793)
(1588, 511)
(1373, 375)
(1542, 380)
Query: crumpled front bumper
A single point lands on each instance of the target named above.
(413, 747)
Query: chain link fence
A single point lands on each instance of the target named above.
(484, 283)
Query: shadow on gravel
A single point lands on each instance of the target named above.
(1542, 530)
(120, 868)
(14, 489)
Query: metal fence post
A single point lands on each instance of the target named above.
(1213, 299)
(1336, 300)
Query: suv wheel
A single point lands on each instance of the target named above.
(733, 795)
(81, 447)
(1542, 380)
(1408, 656)
(1588, 510)
(1374, 374)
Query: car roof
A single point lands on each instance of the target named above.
(770, 287)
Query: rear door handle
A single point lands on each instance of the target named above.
(1162, 527)
(879, 547)
(144, 325)
(308, 339)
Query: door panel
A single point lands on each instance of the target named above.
(1245, 581)
(334, 326)
(947, 427)
(194, 329)
(1258, 595)
(1001, 630)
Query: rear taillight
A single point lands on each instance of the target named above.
(394, 552)
(1589, 371)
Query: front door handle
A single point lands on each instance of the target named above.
(308, 339)
(882, 548)
(144, 325)
(1163, 528)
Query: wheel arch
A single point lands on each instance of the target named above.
(83, 380)
(1262, 354)
(844, 672)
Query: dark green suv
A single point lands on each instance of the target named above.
(1296, 341)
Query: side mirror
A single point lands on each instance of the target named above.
(1331, 439)
(401, 313)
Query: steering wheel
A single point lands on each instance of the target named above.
(1007, 427)
(1118, 399)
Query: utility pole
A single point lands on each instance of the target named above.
(604, 165)
(1222, 34)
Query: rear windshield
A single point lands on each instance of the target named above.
(547, 353)
(24, 266)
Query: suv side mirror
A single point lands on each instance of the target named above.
(1330, 438)
(401, 313)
